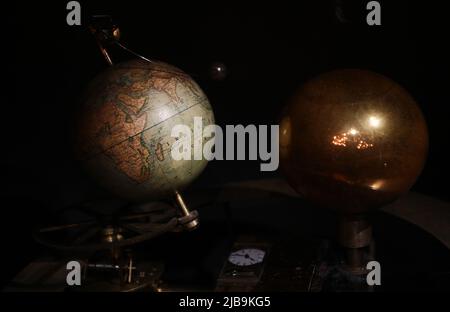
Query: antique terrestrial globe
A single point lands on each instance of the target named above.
(124, 133)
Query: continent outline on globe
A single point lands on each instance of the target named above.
(124, 134)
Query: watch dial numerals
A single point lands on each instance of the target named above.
(247, 256)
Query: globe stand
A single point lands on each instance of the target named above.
(103, 242)
(355, 235)
(106, 33)
(343, 261)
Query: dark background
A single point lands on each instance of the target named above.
(268, 49)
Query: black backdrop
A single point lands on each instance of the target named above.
(268, 49)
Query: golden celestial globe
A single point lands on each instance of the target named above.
(352, 140)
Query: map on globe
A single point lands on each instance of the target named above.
(125, 129)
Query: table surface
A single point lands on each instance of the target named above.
(430, 214)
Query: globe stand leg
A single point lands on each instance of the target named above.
(105, 33)
(189, 219)
(355, 235)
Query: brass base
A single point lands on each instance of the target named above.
(355, 235)
(189, 219)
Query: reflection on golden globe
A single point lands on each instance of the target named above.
(352, 140)
(124, 133)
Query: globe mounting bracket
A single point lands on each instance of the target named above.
(107, 33)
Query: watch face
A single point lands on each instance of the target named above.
(247, 256)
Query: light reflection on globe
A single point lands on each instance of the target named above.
(352, 140)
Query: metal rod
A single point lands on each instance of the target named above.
(130, 270)
(186, 214)
(105, 53)
(181, 204)
(132, 52)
